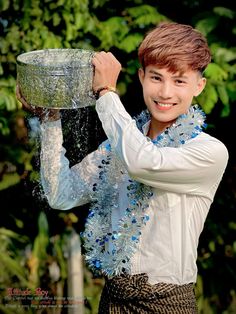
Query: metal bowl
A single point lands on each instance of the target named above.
(56, 78)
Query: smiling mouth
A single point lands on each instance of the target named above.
(164, 105)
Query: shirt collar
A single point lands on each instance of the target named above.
(146, 127)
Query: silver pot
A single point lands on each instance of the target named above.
(56, 78)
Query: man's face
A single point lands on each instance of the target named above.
(168, 95)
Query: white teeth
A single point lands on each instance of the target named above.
(164, 105)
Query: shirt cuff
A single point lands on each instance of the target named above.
(111, 111)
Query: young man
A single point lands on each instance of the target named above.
(151, 183)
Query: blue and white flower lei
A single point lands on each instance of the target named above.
(109, 252)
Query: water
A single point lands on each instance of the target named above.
(62, 79)
(82, 133)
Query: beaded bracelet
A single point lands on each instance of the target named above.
(108, 88)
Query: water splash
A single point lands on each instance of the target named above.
(82, 134)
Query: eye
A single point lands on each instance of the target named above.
(155, 78)
(180, 82)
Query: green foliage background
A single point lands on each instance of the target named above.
(31, 242)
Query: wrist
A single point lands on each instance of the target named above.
(50, 116)
(103, 90)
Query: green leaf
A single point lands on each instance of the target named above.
(1, 69)
(225, 112)
(12, 234)
(222, 11)
(199, 285)
(117, 25)
(231, 88)
(234, 246)
(56, 19)
(212, 246)
(4, 128)
(112, 32)
(207, 25)
(60, 257)
(13, 266)
(208, 98)
(8, 180)
(145, 15)
(80, 20)
(131, 42)
(43, 223)
(11, 104)
(215, 72)
(224, 54)
(4, 5)
(51, 41)
(232, 226)
(223, 95)
(132, 66)
(7, 310)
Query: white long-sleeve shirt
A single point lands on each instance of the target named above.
(184, 182)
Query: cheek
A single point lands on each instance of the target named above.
(148, 88)
(145, 90)
(194, 91)
(188, 94)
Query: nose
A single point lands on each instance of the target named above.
(165, 90)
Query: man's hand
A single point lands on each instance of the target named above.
(107, 70)
(42, 113)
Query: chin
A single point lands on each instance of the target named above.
(164, 118)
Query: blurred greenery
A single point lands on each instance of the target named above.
(33, 236)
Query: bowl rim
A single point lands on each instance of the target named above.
(20, 62)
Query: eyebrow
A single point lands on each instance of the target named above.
(175, 76)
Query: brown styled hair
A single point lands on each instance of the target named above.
(177, 47)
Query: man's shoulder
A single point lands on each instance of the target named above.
(203, 136)
(210, 144)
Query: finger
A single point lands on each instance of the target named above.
(22, 100)
(98, 58)
(18, 92)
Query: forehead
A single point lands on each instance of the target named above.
(188, 73)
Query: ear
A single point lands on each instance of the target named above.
(200, 86)
(141, 75)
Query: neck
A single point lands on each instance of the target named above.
(156, 128)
